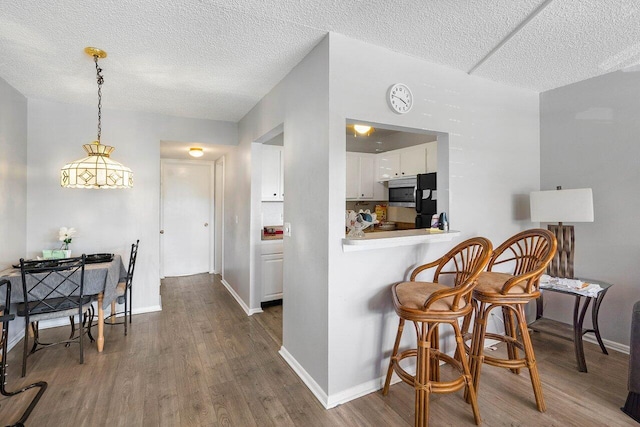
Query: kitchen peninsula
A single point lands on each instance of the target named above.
(392, 239)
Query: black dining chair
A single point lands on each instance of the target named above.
(5, 318)
(53, 289)
(123, 289)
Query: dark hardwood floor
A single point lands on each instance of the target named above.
(203, 362)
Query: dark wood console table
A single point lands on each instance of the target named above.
(576, 331)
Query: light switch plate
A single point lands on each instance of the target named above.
(287, 229)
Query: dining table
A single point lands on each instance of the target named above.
(100, 279)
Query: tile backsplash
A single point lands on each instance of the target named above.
(395, 214)
(364, 205)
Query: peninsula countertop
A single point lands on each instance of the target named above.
(391, 239)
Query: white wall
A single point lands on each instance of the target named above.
(13, 183)
(493, 133)
(300, 101)
(243, 201)
(106, 220)
(338, 320)
(13, 174)
(590, 138)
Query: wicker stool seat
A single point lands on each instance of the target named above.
(526, 255)
(428, 305)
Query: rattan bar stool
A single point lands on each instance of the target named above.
(526, 256)
(429, 304)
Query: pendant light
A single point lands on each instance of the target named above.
(97, 170)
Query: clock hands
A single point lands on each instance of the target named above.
(403, 101)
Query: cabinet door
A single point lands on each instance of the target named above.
(272, 277)
(432, 157)
(366, 177)
(387, 166)
(353, 175)
(413, 160)
(281, 181)
(271, 172)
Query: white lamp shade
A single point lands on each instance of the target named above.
(562, 205)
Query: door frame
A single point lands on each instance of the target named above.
(218, 216)
(211, 165)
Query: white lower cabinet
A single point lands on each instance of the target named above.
(271, 272)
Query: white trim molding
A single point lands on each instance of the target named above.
(234, 294)
(306, 378)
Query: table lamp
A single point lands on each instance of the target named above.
(562, 206)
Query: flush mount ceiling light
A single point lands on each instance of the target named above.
(97, 170)
(195, 152)
(362, 129)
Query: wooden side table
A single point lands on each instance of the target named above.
(576, 331)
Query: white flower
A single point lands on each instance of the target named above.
(65, 234)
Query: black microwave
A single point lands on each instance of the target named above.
(402, 192)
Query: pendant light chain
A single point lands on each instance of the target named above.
(98, 169)
(100, 80)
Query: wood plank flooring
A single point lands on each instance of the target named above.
(203, 362)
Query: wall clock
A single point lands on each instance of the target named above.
(400, 98)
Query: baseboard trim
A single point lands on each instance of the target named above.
(358, 391)
(243, 305)
(611, 345)
(355, 392)
(311, 384)
(13, 342)
(371, 386)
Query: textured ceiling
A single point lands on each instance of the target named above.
(215, 59)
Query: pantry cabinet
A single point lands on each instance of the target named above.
(272, 174)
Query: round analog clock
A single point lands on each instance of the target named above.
(400, 98)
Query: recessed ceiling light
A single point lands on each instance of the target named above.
(195, 152)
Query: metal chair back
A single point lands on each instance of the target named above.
(5, 318)
(52, 285)
(132, 263)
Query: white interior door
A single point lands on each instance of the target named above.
(187, 205)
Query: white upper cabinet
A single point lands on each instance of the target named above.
(272, 173)
(405, 162)
(413, 160)
(387, 166)
(361, 182)
(432, 157)
(366, 177)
